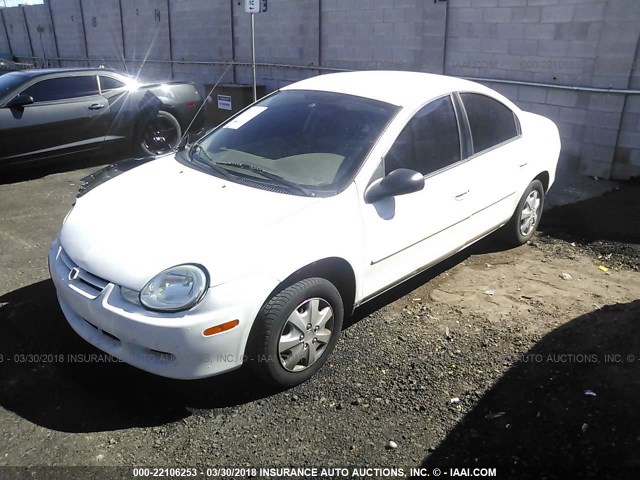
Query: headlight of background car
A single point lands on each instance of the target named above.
(177, 288)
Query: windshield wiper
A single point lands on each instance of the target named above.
(271, 176)
(197, 148)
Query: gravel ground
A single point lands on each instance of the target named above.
(525, 360)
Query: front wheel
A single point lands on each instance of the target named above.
(160, 134)
(526, 218)
(295, 332)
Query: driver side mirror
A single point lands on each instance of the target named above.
(19, 101)
(398, 182)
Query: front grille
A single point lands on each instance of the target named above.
(85, 281)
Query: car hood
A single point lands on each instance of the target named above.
(164, 213)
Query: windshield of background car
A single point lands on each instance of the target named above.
(314, 140)
(9, 81)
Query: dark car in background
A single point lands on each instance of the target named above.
(54, 113)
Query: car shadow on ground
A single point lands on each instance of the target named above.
(53, 378)
(43, 169)
(490, 244)
(610, 217)
(568, 408)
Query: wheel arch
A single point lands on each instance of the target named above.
(336, 270)
(544, 178)
(145, 115)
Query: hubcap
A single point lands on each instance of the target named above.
(530, 213)
(159, 136)
(305, 334)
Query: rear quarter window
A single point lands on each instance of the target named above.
(109, 83)
(491, 122)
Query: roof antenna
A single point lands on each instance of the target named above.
(184, 135)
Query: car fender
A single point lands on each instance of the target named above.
(543, 140)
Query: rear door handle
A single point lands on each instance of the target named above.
(96, 106)
(461, 196)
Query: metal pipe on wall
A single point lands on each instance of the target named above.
(124, 49)
(577, 88)
(169, 33)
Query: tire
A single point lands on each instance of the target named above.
(295, 332)
(159, 134)
(526, 218)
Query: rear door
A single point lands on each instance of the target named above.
(495, 162)
(67, 116)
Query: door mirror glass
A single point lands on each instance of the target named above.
(398, 182)
(20, 101)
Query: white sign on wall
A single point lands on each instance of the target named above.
(255, 6)
(224, 102)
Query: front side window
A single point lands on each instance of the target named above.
(63, 88)
(308, 141)
(491, 122)
(429, 142)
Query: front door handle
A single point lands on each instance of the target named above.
(461, 196)
(96, 106)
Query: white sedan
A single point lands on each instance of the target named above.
(251, 245)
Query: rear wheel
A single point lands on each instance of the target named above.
(160, 134)
(526, 218)
(296, 332)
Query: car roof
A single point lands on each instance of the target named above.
(403, 89)
(50, 71)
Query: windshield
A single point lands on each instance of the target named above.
(306, 142)
(9, 81)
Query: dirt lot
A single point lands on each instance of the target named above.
(523, 360)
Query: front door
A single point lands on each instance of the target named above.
(68, 115)
(403, 234)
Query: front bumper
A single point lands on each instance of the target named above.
(171, 344)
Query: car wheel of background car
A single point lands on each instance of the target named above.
(526, 218)
(160, 134)
(295, 332)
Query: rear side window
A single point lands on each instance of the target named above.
(63, 88)
(429, 142)
(491, 122)
(108, 83)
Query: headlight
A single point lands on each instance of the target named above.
(177, 288)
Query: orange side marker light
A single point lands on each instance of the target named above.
(220, 328)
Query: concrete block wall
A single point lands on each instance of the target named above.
(68, 24)
(103, 29)
(41, 32)
(586, 43)
(379, 34)
(14, 19)
(590, 43)
(627, 157)
(201, 31)
(5, 49)
(145, 27)
(287, 34)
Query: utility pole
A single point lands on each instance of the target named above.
(253, 7)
